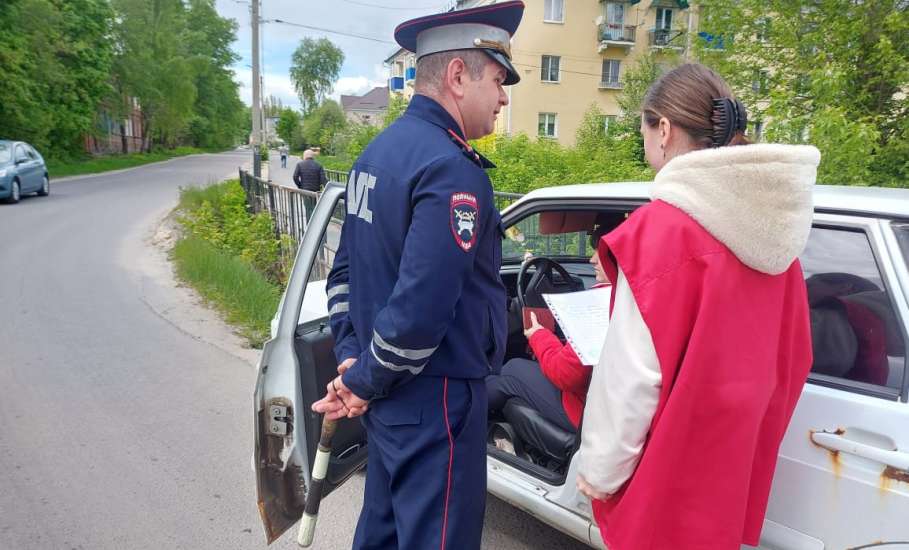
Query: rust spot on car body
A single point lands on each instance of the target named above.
(892, 474)
(834, 456)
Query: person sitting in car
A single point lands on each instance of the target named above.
(556, 386)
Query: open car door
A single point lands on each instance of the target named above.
(295, 367)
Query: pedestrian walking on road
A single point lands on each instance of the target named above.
(283, 151)
(309, 174)
(709, 340)
(416, 303)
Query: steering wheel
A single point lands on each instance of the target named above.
(542, 282)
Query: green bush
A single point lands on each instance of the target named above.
(523, 164)
(232, 257)
(231, 284)
(217, 214)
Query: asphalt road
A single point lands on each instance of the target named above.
(125, 417)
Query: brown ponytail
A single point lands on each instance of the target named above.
(697, 100)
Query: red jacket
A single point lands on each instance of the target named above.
(562, 366)
(734, 347)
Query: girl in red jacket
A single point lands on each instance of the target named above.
(557, 385)
(709, 342)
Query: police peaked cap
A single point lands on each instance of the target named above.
(488, 28)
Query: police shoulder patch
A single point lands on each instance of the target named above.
(464, 222)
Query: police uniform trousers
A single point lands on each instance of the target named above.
(426, 475)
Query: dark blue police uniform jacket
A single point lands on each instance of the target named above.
(423, 295)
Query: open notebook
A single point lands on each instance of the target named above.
(584, 318)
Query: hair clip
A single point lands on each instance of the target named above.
(729, 116)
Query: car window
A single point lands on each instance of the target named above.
(5, 153)
(855, 333)
(902, 237)
(31, 153)
(20, 153)
(314, 300)
(524, 237)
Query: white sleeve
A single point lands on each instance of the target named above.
(622, 398)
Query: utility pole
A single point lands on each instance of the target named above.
(256, 92)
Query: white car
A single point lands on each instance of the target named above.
(842, 479)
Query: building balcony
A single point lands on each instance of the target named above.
(612, 35)
(682, 4)
(666, 38)
(610, 85)
(396, 83)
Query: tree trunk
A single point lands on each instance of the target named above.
(124, 145)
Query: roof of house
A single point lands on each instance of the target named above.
(395, 54)
(374, 100)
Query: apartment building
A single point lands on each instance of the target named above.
(402, 69)
(572, 54)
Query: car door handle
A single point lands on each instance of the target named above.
(836, 442)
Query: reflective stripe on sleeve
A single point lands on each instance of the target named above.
(412, 354)
(339, 289)
(392, 366)
(340, 307)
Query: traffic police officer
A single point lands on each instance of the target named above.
(416, 304)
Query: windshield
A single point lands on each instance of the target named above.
(5, 152)
(525, 237)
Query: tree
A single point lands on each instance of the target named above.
(153, 65)
(831, 72)
(397, 104)
(321, 124)
(288, 126)
(315, 66)
(55, 58)
(217, 120)
(272, 106)
(635, 83)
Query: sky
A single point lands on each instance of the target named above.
(363, 66)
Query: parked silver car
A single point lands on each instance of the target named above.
(842, 477)
(22, 171)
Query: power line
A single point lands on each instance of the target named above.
(330, 31)
(561, 70)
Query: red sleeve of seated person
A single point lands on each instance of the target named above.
(560, 363)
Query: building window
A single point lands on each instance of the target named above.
(662, 30)
(610, 77)
(554, 11)
(608, 121)
(547, 125)
(664, 18)
(549, 68)
(615, 22)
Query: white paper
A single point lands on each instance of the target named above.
(584, 318)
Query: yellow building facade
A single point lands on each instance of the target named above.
(573, 54)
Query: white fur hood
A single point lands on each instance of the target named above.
(755, 199)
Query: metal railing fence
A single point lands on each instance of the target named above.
(290, 210)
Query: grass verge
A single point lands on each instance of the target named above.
(245, 297)
(94, 165)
